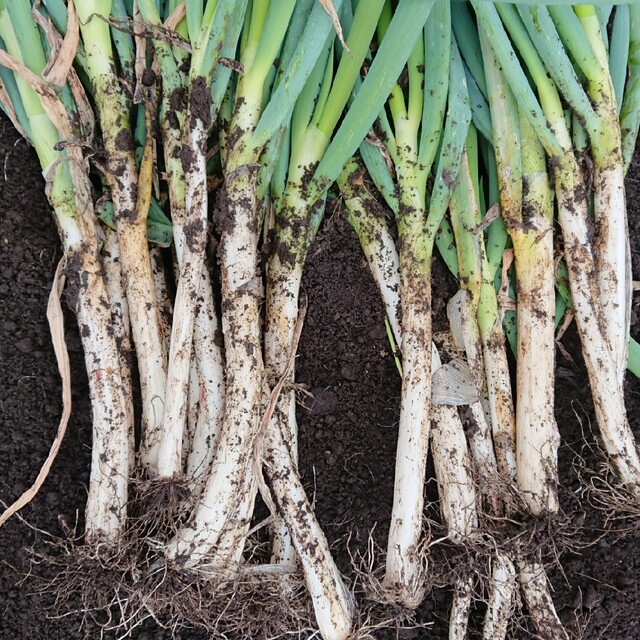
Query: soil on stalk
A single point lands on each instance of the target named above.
(347, 424)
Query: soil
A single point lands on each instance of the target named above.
(347, 425)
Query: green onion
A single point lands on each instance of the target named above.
(573, 218)
(131, 223)
(68, 190)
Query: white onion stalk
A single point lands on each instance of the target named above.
(165, 305)
(292, 236)
(111, 453)
(299, 206)
(452, 465)
(538, 438)
(226, 487)
(191, 266)
(608, 395)
(461, 608)
(283, 292)
(209, 358)
(405, 571)
(332, 602)
(527, 208)
(121, 327)
(130, 222)
(573, 216)
(111, 443)
(501, 601)
(537, 596)
(208, 383)
(475, 278)
(584, 39)
(68, 191)
(464, 329)
(295, 226)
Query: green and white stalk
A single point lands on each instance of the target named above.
(611, 242)
(292, 234)
(68, 191)
(526, 205)
(450, 451)
(206, 347)
(476, 278)
(131, 224)
(597, 107)
(197, 122)
(573, 217)
(314, 120)
(405, 568)
(474, 272)
(412, 145)
(368, 220)
(463, 322)
(230, 486)
(384, 71)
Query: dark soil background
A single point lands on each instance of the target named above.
(347, 426)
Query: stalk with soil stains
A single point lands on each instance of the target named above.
(313, 122)
(578, 35)
(192, 228)
(43, 118)
(199, 442)
(511, 466)
(451, 452)
(412, 145)
(527, 209)
(476, 280)
(224, 509)
(131, 222)
(573, 218)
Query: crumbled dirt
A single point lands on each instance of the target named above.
(347, 424)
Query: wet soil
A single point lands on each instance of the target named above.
(347, 424)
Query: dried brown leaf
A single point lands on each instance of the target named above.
(140, 63)
(145, 180)
(83, 106)
(176, 16)
(59, 67)
(330, 9)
